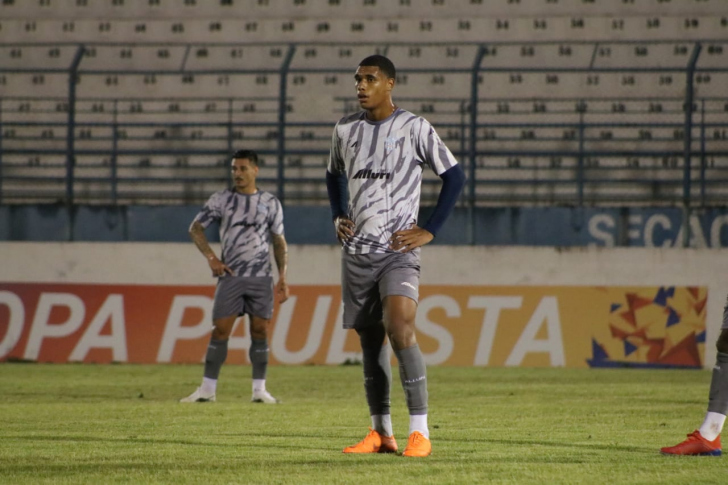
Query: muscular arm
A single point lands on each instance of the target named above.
(197, 234)
(280, 253)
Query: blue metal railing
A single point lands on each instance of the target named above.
(282, 106)
(70, 138)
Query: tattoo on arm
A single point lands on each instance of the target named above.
(197, 233)
(280, 253)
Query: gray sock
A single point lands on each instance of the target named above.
(377, 378)
(258, 354)
(718, 401)
(216, 355)
(413, 374)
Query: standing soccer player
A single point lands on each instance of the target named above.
(373, 179)
(705, 441)
(250, 220)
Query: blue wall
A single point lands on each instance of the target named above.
(534, 226)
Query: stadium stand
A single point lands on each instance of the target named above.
(572, 102)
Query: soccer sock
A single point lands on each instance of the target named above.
(718, 398)
(382, 424)
(413, 374)
(377, 382)
(258, 385)
(209, 386)
(215, 357)
(418, 422)
(258, 354)
(712, 426)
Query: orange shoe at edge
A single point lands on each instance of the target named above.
(374, 443)
(417, 445)
(695, 445)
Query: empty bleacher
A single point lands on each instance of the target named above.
(544, 101)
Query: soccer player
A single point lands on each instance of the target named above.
(705, 441)
(373, 179)
(250, 220)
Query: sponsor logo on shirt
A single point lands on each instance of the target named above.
(369, 174)
(247, 224)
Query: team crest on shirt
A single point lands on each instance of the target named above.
(390, 143)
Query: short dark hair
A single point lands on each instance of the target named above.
(249, 154)
(384, 65)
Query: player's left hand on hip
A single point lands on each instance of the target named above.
(408, 239)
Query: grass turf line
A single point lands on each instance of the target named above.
(122, 424)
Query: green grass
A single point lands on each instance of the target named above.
(122, 424)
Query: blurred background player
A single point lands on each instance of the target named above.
(373, 179)
(250, 220)
(706, 440)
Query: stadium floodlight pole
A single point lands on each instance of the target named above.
(71, 136)
(687, 147)
(475, 78)
(282, 107)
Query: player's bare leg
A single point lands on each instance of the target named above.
(399, 321)
(214, 359)
(258, 354)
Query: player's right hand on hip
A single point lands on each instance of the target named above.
(344, 228)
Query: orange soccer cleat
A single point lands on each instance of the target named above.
(417, 445)
(695, 445)
(374, 443)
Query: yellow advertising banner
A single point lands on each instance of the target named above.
(534, 326)
(563, 326)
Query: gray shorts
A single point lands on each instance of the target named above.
(238, 295)
(366, 279)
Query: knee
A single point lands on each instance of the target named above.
(722, 343)
(371, 336)
(401, 333)
(259, 329)
(259, 334)
(220, 333)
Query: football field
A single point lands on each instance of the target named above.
(123, 424)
